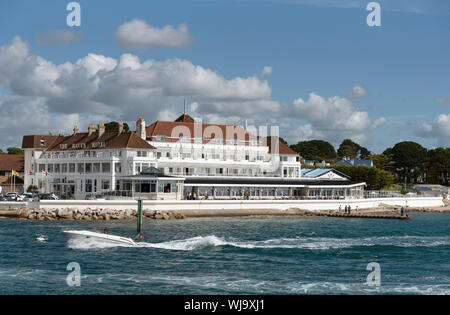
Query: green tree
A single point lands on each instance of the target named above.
(409, 160)
(352, 150)
(317, 150)
(375, 178)
(15, 151)
(439, 164)
(114, 126)
(380, 161)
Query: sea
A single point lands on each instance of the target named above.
(258, 255)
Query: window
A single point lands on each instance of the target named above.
(106, 167)
(63, 168)
(118, 167)
(50, 168)
(105, 184)
(88, 185)
(80, 167)
(72, 168)
(88, 168)
(96, 167)
(41, 168)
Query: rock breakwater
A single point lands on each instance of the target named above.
(95, 214)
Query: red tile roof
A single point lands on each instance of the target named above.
(109, 140)
(174, 129)
(185, 118)
(9, 162)
(279, 147)
(38, 141)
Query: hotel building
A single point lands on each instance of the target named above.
(179, 159)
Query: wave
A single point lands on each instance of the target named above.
(308, 243)
(42, 239)
(319, 243)
(261, 286)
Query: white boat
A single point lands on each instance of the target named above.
(112, 239)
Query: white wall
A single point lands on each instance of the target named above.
(243, 204)
(12, 205)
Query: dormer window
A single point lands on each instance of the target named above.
(42, 142)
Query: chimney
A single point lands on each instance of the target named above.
(101, 129)
(140, 128)
(91, 129)
(75, 130)
(120, 127)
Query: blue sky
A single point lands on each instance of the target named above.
(316, 51)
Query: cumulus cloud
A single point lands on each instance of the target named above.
(58, 37)
(99, 87)
(439, 129)
(137, 34)
(334, 113)
(357, 92)
(332, 119)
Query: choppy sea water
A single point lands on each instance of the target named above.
(254, 255)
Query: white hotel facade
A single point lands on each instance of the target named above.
(193, 160)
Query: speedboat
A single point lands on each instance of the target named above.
(87, 235)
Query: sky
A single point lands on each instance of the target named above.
(314, 68)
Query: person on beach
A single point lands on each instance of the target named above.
(105, 230)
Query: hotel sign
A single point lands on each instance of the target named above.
(98, 145)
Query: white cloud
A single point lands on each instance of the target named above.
(357, 92)
(334, 113)
(378, 122)
(137, 34)
(332, 119)
(99, 87)
(439, 129)
(267, 70)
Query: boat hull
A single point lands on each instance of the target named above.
(111, 239)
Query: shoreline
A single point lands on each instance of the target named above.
(88, 214)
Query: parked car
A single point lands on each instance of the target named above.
(14, 197)
(48, 197)
(30, 197)
(65, 197)
(95, 197)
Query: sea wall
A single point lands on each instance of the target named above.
(7, 205)
(311, 205)
(89, 214)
